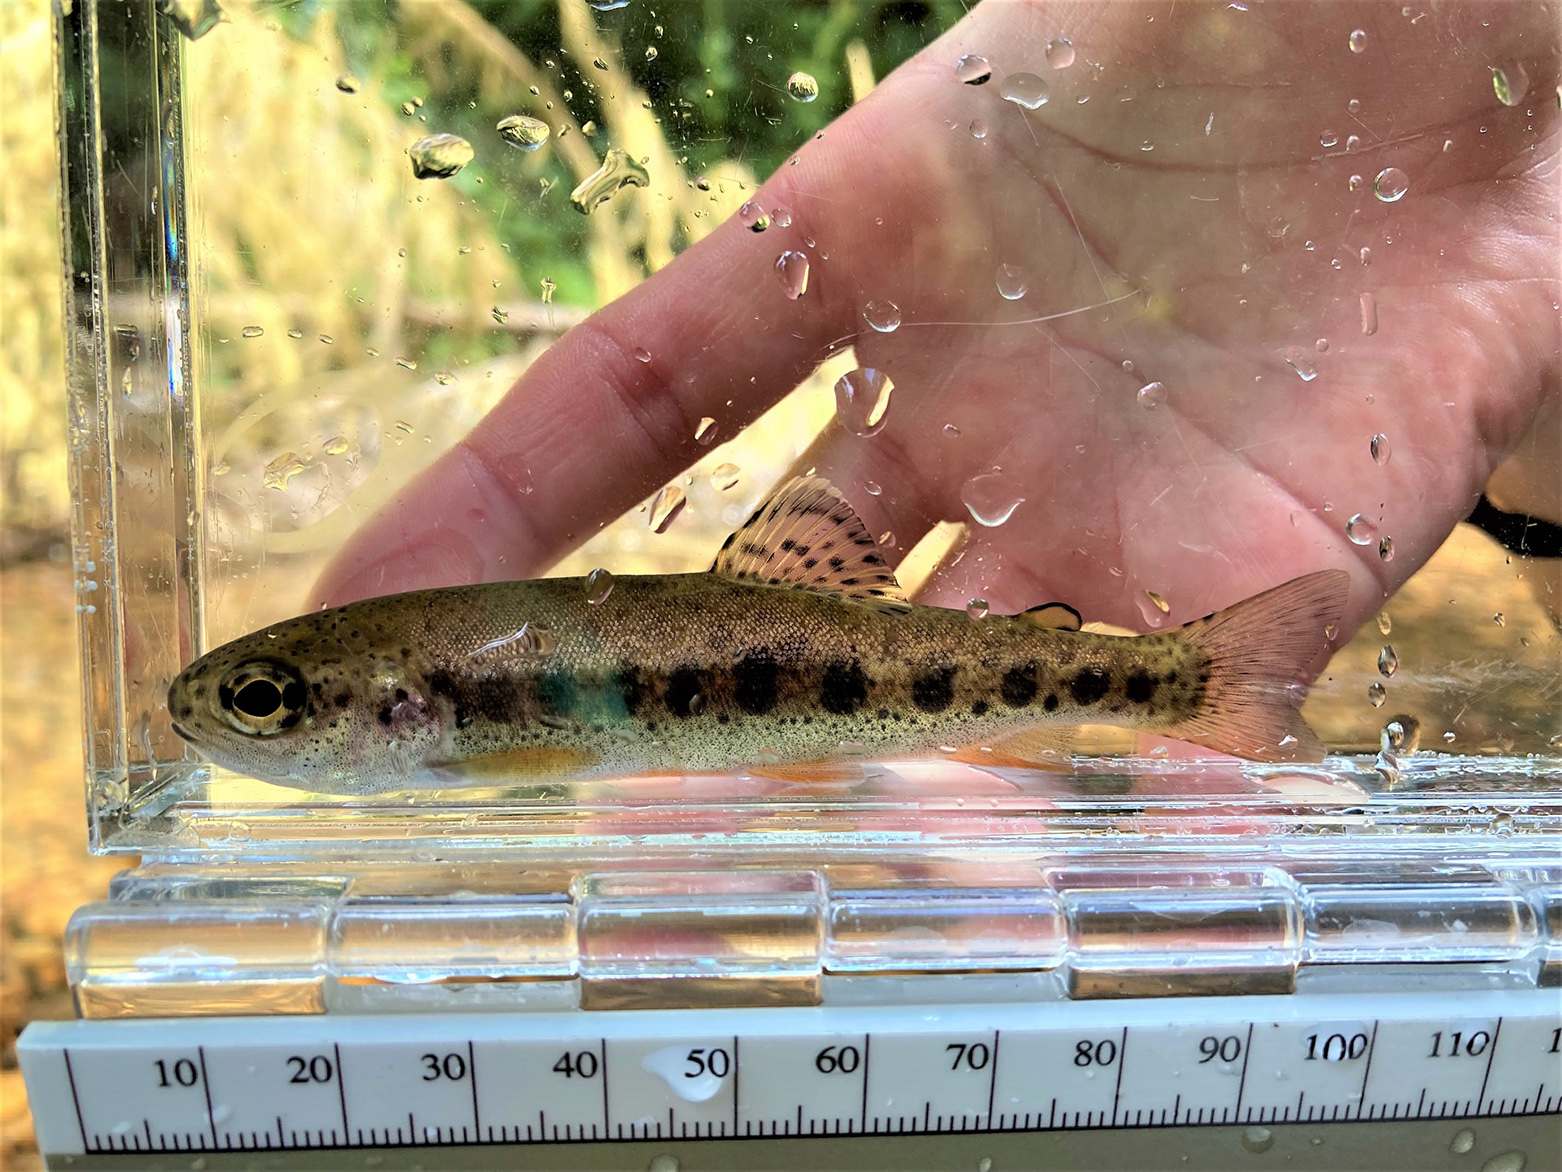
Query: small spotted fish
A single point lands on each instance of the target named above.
(797, 642)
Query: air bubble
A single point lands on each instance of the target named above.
(1358, 41)
(1024, 89)
(439, 156)
(1152, 395)
(1012, 282)
(973, 69)
(992, 497)
(1360, 530)
(883, 316)
(523, 132)
(618, 170)
(977, 609)
(802, 87)
(666, 507)
(599, 584)
(791, 270)
(1390, 185)
(1388, 661)
(1381, 452)
(862, 400)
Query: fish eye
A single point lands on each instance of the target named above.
(262, 697)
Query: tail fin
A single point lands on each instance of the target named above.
(1258, 651)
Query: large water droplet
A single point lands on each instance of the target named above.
(666, 507)
(599, 584)
(782, 217)
(1060, 54)
(618, 170)
(992, 497)
(1462, 1142)
(1153, 608)
(1388, 661)
(1258, 1139)
(792, 273)
(1360, 530)
(1376, 694)
(523, 132)
(724, 476)
(193, 18)
(977, 608)
(439, 156)
(282, 469)
(1152, 395)
(862, 400)
(1369, 314)
(802, 87)
(1358, 41)
(973, 69)
(1390, 185)
(1012, 282)
(1381, 452)
(883, 316)
(1510, 80)
(1509, 1161)
(753, 217)
(1300, 361)
(1024, 89)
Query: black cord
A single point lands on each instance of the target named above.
(1531, 537)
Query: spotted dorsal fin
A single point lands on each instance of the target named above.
(1053, 616)
(806, 535)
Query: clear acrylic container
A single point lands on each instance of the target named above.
(274, 325)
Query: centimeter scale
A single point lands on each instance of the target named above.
(222, 1084)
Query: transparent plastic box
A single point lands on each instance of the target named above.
(273, 325)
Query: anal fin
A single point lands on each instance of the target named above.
(822, 772)
(1046, 746)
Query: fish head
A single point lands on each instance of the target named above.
(298, 704)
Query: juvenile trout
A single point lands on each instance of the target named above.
(796, 646)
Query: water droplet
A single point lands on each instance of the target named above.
(588, 128)
(1352, 143)
(1392, 738)
(1128, 366)
(253, 331)
(1360, 530)
(977, 608)
(1386, 548)
(1499, 620)
(1328, 139)
(665, 1162)
(1390, 185)
(803, 87)
(1354, 105)
(782, 217)
(406, 364)
(1152, 395)
(1509, 1161)
(295, 332)
(753, 217)
(1462, 1142)
(862, 400)
(523, 132)
(973, 69)
(1356, 182)
(1385, 623)
(1024, 89)
(992, 497)
(282, 469)
(792, 273)
(872, 487)
(221, 468)
(651, 53)
(666, 507)
(1376, 694)
(1278, 227)
(978, 128)
(337, 445)
(1388, 662)
(599, 584)
(1358, 41)
(887, 537)
(193, 18)
(1158, 602)
(883, 316)
(500, 314)
(1369, 314)
(618, 171)
(706, 431)
(439, 156)
(607, 5)
(1012, 282)
(724, 476)
(642, 354)
(985, 1164)
(1381, 452)
(1510, 80)
(347, 83)
(951, 431)
(1258, 1139)
(598, 63)
(1060, 54)
(1299, 360)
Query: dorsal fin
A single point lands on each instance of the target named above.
(806, 535)
(1053, 616)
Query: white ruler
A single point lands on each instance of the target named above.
(398, 1081)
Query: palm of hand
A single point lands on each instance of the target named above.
(1182, 225)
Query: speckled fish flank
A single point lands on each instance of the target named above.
(796, 643)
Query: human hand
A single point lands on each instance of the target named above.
(1170, 206)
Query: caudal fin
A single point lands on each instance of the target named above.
(1260, 653)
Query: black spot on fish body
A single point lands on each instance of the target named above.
(1051, 702)
(979, 708)
(934, 690)
(837, 563)
(810, 563)
(844, 688)
(342, 699)
(631, 686)
(385, 715)
(685, 688)
(1089, 685)
(1019, 686)
(755, 681)
(1140, 687)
